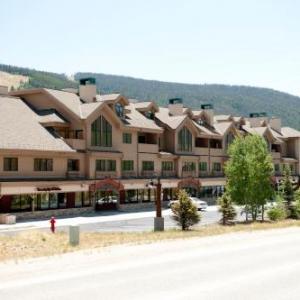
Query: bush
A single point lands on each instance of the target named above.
(226, 209)
(185, 212)
(277, 212)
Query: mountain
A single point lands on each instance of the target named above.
(227, 99)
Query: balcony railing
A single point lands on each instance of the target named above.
(213, 174)
(73, 175)
(103, 175)
(168, 174)
(148, 148)
(148, 174)
(129, 174)
(77, 144)
(189, 174)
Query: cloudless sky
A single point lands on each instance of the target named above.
(248, 42)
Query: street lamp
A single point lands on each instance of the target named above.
(158, 220)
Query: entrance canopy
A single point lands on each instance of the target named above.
(189, 183)
(108, 184)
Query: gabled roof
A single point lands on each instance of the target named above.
(222, 118)
(171, 121)
(263, 131)
(146, 106)
(289, 132)
(135, 119)
(51, 117)
(205, 131)
(88, 108)
(20, 129)
(222, 127)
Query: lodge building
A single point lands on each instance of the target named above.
(65, 151)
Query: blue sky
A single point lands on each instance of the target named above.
(232, 42)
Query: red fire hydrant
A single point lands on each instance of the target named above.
(52, 224)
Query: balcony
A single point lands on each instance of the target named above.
(148, 148)
(168, 174)
(149, 174)
(189, 174)
(103, 175)
(129, 174)
(77, 144)
(276, 155)
(73, 175)
(217, 152)
(213, 174)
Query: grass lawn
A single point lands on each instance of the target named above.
(35, 244)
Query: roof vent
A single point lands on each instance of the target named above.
(258, 115)
(207, 106)
(175, 101)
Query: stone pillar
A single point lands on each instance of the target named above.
(74, 232)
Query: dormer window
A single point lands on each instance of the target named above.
(149, 115)
(119, 110)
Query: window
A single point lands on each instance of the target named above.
(119, 110)
(215, 144)
(148, 166)
(73, 164)
(188, 166)
(105, 165)
(217, 167)
(21, 203)
(43, 164)
(149, 115)
(131, 196)
(203, 166)
(10, 164)
(127, 165)
(229, 139)
(78, 199)
(127, 138)
(167, 166)
(101, 133)
(184, 140)
(277, 167)
(201, 143)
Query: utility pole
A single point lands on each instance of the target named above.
(158, 220)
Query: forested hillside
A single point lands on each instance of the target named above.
(225, 98)
(40, 78)
(237, 100)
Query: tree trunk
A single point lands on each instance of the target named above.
(263, 213)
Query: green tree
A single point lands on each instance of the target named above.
(226, 209)
(286, 187)
(185, 213)
(278, 211)
(249, 170)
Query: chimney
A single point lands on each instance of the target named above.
(87, 89)
(275, 123)
(3, 90)
(209, 111)
(257, 119)
(175, 107)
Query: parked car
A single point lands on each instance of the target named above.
(109, 199)
(200, 204)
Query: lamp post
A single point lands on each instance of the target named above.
(158, 220)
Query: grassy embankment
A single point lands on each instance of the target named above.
(35, 244)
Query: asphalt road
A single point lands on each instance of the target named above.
(144, 224)
(135, 221)
(257, 265)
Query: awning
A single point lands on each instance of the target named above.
(41, 188)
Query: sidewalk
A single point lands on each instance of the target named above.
(87, 219)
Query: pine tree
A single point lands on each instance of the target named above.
(185, 213)
(226, 209)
